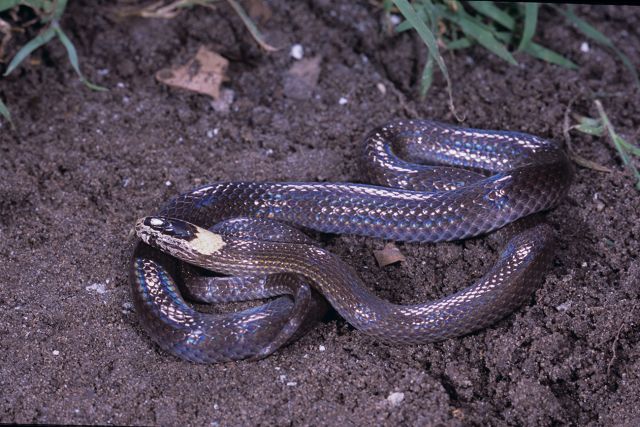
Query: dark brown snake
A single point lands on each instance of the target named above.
(434, 182)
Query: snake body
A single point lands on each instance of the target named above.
(433, 182)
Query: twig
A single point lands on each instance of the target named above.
(614, 349)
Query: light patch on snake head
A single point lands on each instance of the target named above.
(206, 242)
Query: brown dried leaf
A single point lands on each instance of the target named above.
(390, 254)
(259, 10)
(302, 78)
(203, 74)
(5, 29)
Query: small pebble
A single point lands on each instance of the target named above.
(224, 101)
(564, 306)
(342, 100)
(395, 19)
(297, 51)
(322, 348)
(292, 384)
(168, 183)
(584, 47)
(599, 203)
(56, 352)
(395, 398)
(382, 88)
(97, 287)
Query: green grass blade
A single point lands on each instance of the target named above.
(73, 57)
(427, 77)
(619, 143)
(253, 30)
(429, 39)
(530, 24)
(504, 36)
(635, 150)
(8, 4)
(589, 121)
(590, 130)
(586, 28)
(403, 26)
(26, 50)
(60, 6)
(485, 38)
(461, 43)
(5, 112)
(43, 5)
(423, 31)
(490, 10)
(548, 55)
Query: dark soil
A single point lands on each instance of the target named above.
(84, 165)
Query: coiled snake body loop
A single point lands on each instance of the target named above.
(433, 182)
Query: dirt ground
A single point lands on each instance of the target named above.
(83, 165)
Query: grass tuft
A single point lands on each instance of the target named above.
(602, 126)
(163, 10)
(499, 28)
(429, 39)
(4, 111)
(48, 12)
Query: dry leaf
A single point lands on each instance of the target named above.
(259, 10)
(302, 78)
(390, 254)
(5, 29)
(203, 74)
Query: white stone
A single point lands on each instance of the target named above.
(97, 287)
(297, 51)
(395, 398)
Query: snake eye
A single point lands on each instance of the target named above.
(158, 224)
(171, 227)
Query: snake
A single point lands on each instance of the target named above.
(426, 181)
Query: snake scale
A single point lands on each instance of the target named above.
(431, 182)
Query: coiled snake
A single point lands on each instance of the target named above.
(433, 182)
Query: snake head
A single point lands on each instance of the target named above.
(178, 238)
(157, 225)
